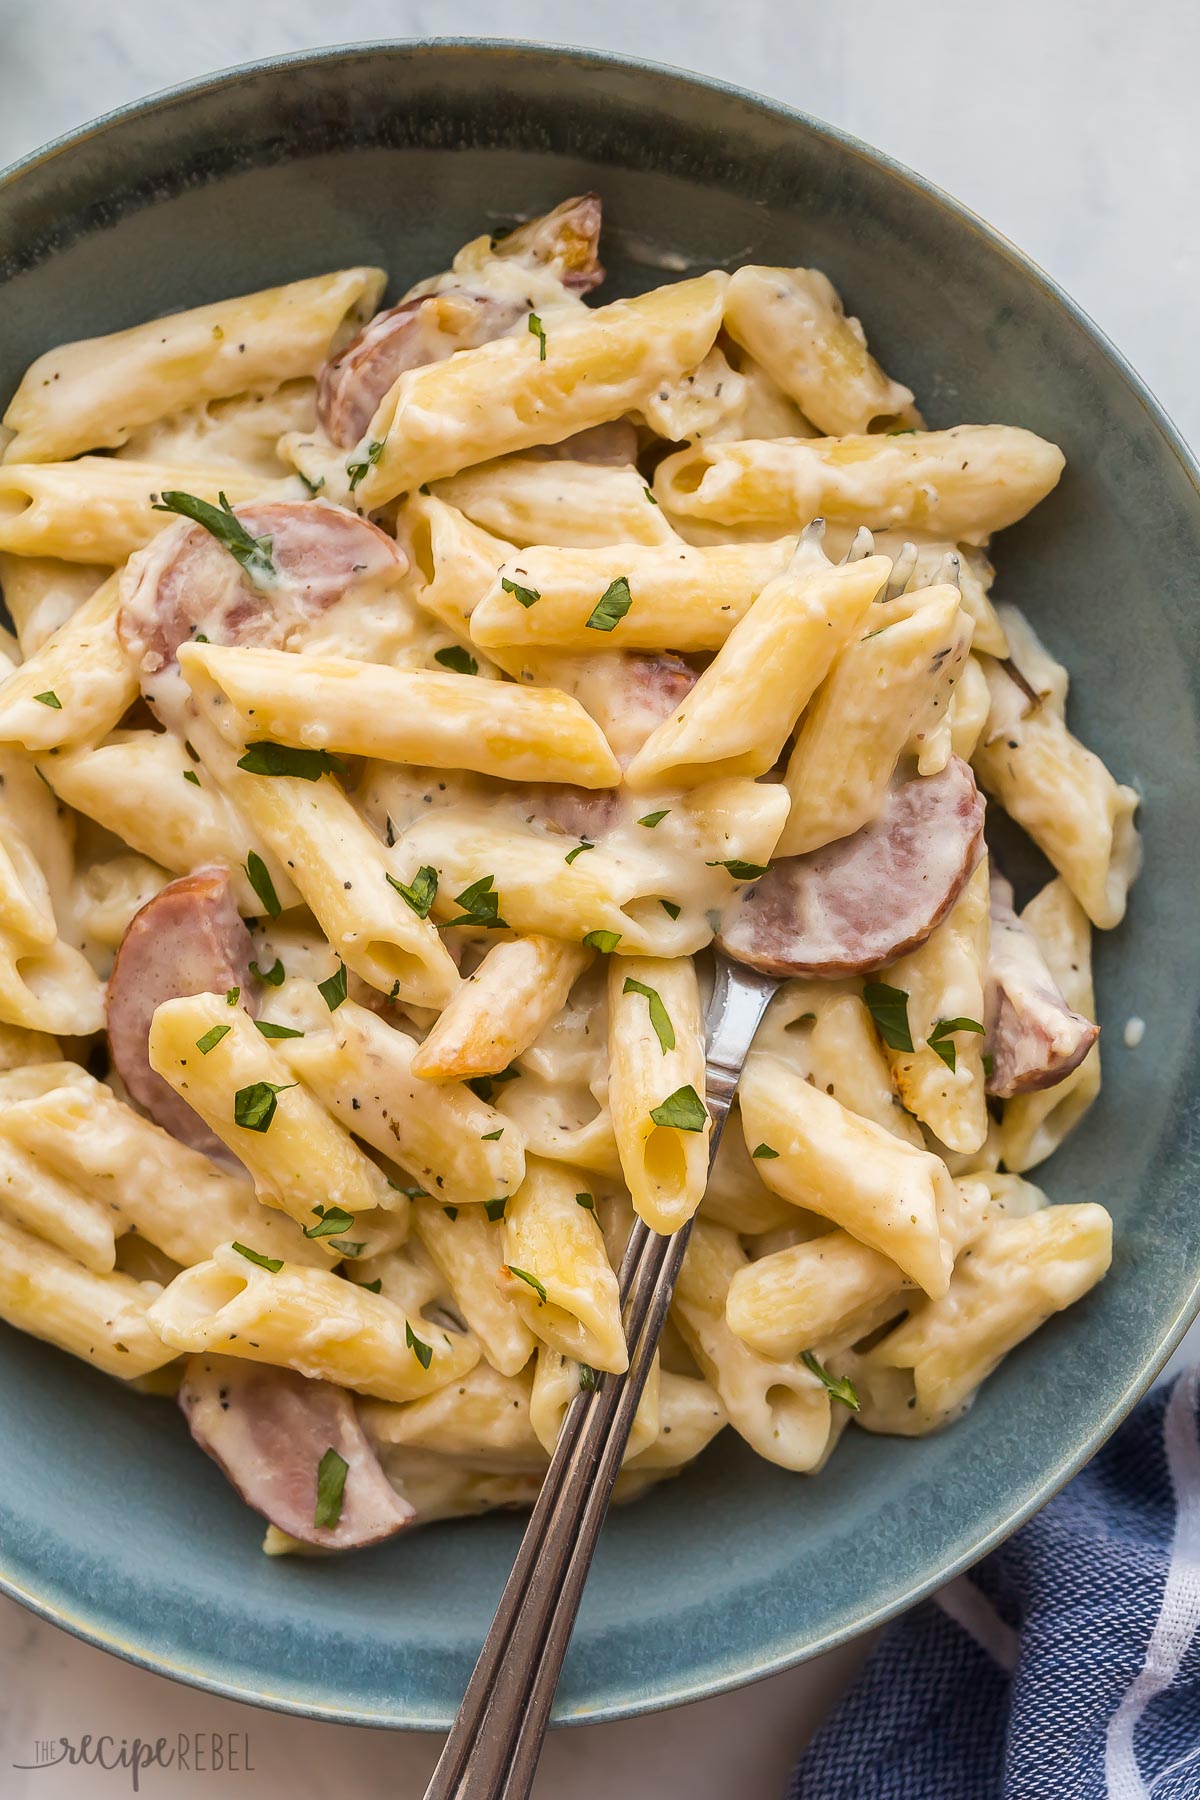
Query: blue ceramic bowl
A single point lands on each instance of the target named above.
(111, 1522)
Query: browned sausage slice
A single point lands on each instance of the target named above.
(406, 336)
(269, 1428)
(187, 940)
(1034, 1038)
(854, 905)
(429, 327)
(190, 585)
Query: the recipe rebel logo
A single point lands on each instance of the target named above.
(191, 1753)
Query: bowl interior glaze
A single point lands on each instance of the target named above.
(110, 1521)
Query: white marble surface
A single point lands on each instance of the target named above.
(1071, 126)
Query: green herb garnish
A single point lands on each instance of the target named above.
(333, 989)
(605, 941)
(683, 1110)
(272, 976)
(611, 607)
(272, 1264)
(330, 1221)
(421, 893)
(941, 1042)
(266, 758)
(191, 775)
(529, 1280)
(331, 1480)
(260, 880)
(578, 851)
(481, 906)
(741, 871)
(659, 1017)
(764, 1153)
(495, 1208)
(654, 818)
(221, 522)
(456, 658)
(524, 596)
(421, 1350)
(888, 1007)
(270, 1030)
(254, 1106)
(489, 1137)
(51, 699)
(535, 326)
(587, 1378)
(451, 1213)
(649, 496)
(836, 1386)
(356, 470)
(586, 1201)
(212, 1038)
(669, 907)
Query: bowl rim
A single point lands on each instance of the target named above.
(712, 1682)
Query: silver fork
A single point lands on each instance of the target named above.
(493, 1748)
(492, 1751)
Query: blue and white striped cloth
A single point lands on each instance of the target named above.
(1066, 1666)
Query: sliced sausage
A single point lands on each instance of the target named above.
(565, 240)
(1034, 1038)
(268, 1430)
(459, 315)
(854, 905)
(188, 584)
(188, 940)
(406, 336)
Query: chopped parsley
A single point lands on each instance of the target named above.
(333, 989)
(191, 775)
(838, 1387)
(578, 851)
(232, 996)
(254, 1106)
(605, 941)
(451, 1213)
(489, 1137)
(529, 1280)
(222, 523)
(421, 1350)
(314, 487)
(260, 880)
(669, 907)
(764, 1153)
(267, 758)
(50, 699)
(888, 1007)
(272, 1264)
(586, 1201)
(331, 1480)
(356, 470)
(481, 906)
(683, 1110)
(456, 658)
(272, 976)
(270, 1030)
(741, 871)
(654, 818)
(587, 1378)
(524, 596)
(495, 1208)
(421, 892)
(372, 1287)
(535, 326)
(611, 607)
(649, 496)
(659, 1017)
(330, 1221)
(212, 1038)
(941, 1042)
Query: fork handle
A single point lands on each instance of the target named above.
(493, 1749)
